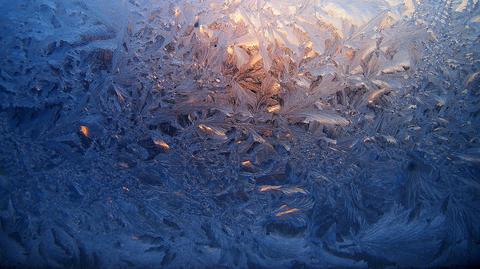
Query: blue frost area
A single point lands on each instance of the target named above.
(239, 134)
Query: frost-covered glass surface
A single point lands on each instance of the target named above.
(239, 134)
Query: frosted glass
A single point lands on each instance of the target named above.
(239, 134)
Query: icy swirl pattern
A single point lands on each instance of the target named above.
(239, 134)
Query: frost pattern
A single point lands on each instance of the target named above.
(239, 134)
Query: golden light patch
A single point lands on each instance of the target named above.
(211, 131)
(84, 130)
(273, 109)
(375, 95)
(286, 211)
(177, 12)
(350, 53)
(162, 144)
(269, 188)
(237, 17)
(247, 164)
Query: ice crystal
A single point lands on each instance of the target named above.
(239, 134)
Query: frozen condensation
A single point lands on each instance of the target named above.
(239, 133)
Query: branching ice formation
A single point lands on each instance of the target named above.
(239, 134)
